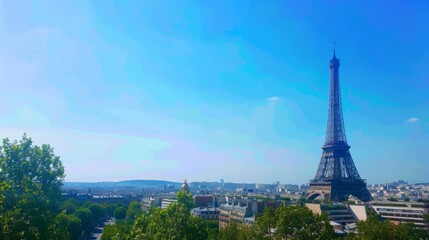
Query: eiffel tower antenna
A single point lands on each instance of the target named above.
(334, 49)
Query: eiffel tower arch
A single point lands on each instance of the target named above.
(337, 177)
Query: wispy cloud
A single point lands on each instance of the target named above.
(413, 120)
(273, 99)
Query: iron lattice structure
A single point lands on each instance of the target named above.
(337, 176)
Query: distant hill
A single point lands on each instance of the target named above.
(127, 183)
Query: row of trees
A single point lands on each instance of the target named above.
(286, 222)
(176, 222)
(89, 214)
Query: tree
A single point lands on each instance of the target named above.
(110, 209)
(31, 177)
(296, 222)
(115, 231)
(265, 224)
(66, 227)
(185, 199)
(85, 216)
(120, 213)
(134, 210)
(97, 212)
(212, 229)
(175, 222)
(70, 206)
(236, 232)
(373, 229)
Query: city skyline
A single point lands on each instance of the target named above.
(173, 91)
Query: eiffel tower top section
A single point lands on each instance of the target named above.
(335, 133)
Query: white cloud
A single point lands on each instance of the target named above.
(413, 120)
(273, 99)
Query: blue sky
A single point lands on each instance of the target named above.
(206, 90)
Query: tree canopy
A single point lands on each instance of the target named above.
(373, 229)
(66, 227)
(30, 180)
(86, 219)
(175, 222)
(97, 211)
(134, 210)
(120, 213)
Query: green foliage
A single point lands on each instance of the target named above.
(371, 213)
(373, 229)
(212, 228)
(185, 199)
(173, 223)
(70, 206)
(286, 199)
(120, 213)
(97, 212)
(134, 210)
(116, 231)
(326, 201)
(291, 222)
(265, 223)
(235, 231)
(296, 222)
(302, 201)
(110, 209)
(86, 219)
(66, 227)
(30, 180)
(426, 218)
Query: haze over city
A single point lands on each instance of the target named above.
(204, 91)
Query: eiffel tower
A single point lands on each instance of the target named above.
(337, 177)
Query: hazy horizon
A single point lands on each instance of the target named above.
(167, 180)
(222, 89)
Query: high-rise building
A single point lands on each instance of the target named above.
(337, 177)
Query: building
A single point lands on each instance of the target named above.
(403, 212)
(341, 214)
(166, 202)
(204, 201)
(244, 211)
(149, 202)
(260, 187)
(287, 188)
(211, 213)
(233, 213)
(157, 200)
(219, 200)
